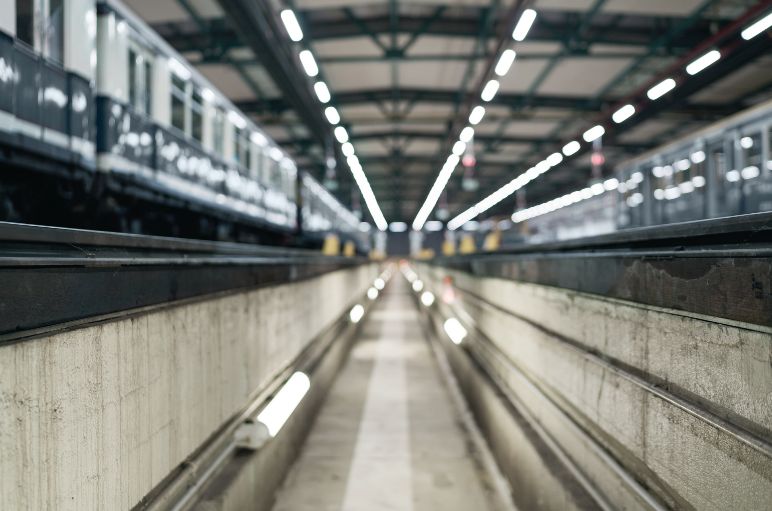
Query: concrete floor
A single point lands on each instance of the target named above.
(389, 436)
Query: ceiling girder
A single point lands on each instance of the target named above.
(277, 106)
(630, 30)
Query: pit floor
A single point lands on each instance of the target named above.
(389, 436)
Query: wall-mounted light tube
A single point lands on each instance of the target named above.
(356, 313)
(455, 330)
(280, 408)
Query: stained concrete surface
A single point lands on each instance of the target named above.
(96, 417)
(665, 436)
(389, 437)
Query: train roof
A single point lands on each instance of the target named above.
(159, 44)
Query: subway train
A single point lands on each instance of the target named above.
(724, 169)
(104, 125)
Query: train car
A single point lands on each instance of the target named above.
(323, 214)
(162, 127)
(722, 170)
(47, 69)
(130, 137)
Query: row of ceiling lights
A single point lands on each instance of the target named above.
(619, 116)
(311, 68)
(489, 91)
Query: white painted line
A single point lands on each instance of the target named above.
(380, 475)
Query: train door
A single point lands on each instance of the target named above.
(756, 185)
(719, 203)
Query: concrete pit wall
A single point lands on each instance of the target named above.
(95, 418)
(653, 407)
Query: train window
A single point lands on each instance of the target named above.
(241, 146)
(148, 84)
(237, 136)
(178, 102)
(718, 162)
(197, 120)
(25, 21)
(54, 31)
(751, 149)
(246, 148)
(140, 71)
(133, 89)
(140, 74)
(218, 131)
(40, 24)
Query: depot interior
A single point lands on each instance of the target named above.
(410, 169)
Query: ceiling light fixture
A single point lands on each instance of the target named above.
(292, 25)
(490, 90)
(623, 114)
(524, 25)
(757, 28)
(571, 148)
(505, 62)
(554, 159)
(477, 115)
(436, 191)
(309, 63)
(661, 89)
(593, 133)
(332, 115)
(701, 63)
(466, 134)
(341, 134)
(322, 92)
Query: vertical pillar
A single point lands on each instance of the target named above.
(80, 33)
(711, 183)
(647, 186)
(380, 242)
(112, 65)
(416, 242)
(162, 89)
